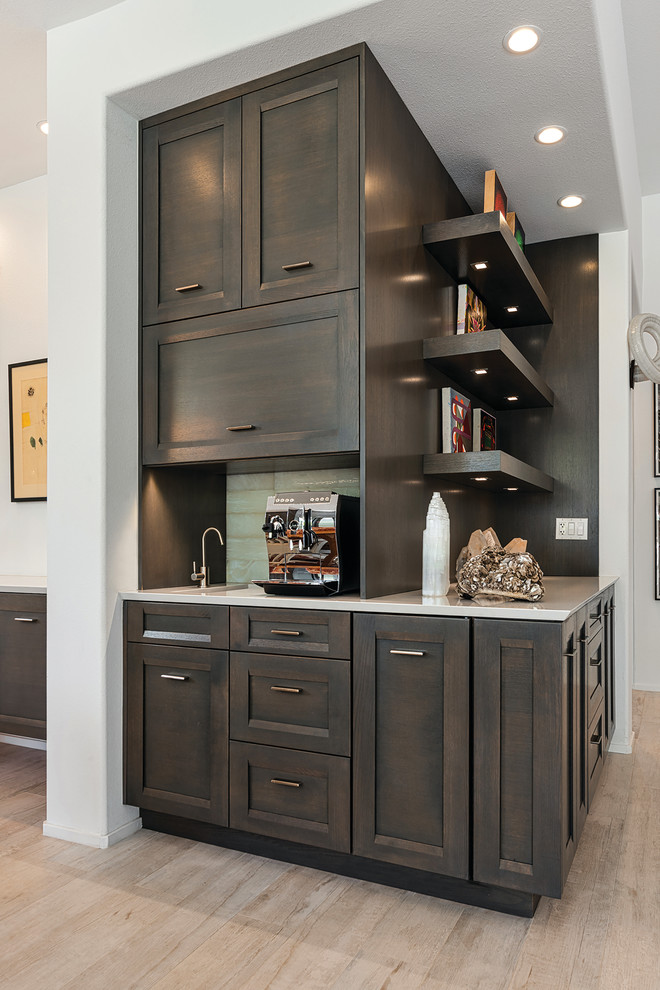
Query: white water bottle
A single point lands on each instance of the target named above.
(435, 565)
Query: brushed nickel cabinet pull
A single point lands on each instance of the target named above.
(285, 690)
(285, 632)
(571, 654)
(285, 783)
(595, 663)
(596, 738)
(234, 429)
(298, 264)
(187, 288)
(595, 615)
(173, 677)
(408, 653)
(19, 618)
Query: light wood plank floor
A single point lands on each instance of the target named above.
(167, 913)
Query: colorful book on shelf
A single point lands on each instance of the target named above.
(456, 422)
(484, 435)
(494, 195)
(471, 315)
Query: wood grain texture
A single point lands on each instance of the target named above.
(166, 912)
(23, 665)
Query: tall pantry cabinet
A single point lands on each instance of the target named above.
(286, 293)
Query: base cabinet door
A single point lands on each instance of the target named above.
(519, 692)
(176, 724)
(411, 742)
(23, 665)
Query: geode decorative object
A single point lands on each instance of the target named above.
(500, 574)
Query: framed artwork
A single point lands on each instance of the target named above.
(656, 430)
(28, 430)
(516, 228)
(494, 195)
(656, 505)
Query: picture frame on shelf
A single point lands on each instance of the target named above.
(471, 316)
(28, 430)
(656, 431)
(494, 195)
(516, 228)
(656, 505)
(456, 415)
(484, 430)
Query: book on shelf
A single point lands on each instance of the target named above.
(484, 435)
(471, 316)
(456, 422)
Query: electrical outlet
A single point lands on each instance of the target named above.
(572, 529)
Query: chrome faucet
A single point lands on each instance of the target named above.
(204, 574)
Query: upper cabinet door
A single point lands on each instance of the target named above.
(300, 186)
(191, 220)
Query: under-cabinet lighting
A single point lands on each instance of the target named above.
(570, 202)
(512, 398)
(510, 489)
(552, 134)
(481, 371)
(42, 125)
(480, 265)
(480, 479)
(512, 309)
(522, 39)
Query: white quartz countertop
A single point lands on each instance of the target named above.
(23, 583)
(563, 596)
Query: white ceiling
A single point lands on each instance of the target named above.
(478, 106)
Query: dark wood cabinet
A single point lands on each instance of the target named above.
(411, 738)
(300, 186)
(265, 382)
(300, 632)
(23, 664)
(191, 214)
(609, 631)
(176, 731)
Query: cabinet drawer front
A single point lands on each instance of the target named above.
(176, 715)
(301, 632)
(595, 752)
(254, 384)
(23, 665)
(191, 221)
(200, 626)
(303, 797)
(300, 186)
(595, 611)
(288, 701)
(595, 674)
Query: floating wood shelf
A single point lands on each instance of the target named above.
(501, 471)
(508, 281)
(508, 372)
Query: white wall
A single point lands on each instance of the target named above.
(646, 674)
(23, 337)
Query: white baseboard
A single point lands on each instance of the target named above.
(622, 745)
(646, 687)
(22, 741)
(96, 840)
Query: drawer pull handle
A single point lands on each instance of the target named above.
(286, 783)
(298, 264)
(594, 615)
(597, 738)
(584, 638)
(187, 288)
(595, 663)
(408, 653)
(569, 655)
(19, 618)
(174, 677)
(285, 690)
(235, 429)
(286, 632)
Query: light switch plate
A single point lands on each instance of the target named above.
(572, 529)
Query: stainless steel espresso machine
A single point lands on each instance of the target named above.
(313, 543)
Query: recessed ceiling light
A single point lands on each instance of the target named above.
(42, 125)
(512, 398)
(480, 265)
(522, 39)
(570, 202)
(481, 371)
(551, 134)
(512, 309)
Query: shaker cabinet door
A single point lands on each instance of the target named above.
(259, 383)
(23, 664)
(300, 186)
(191, 221)
(411, 742)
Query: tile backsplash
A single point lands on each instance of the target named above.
(246, 506)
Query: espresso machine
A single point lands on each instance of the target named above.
(313, 544)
